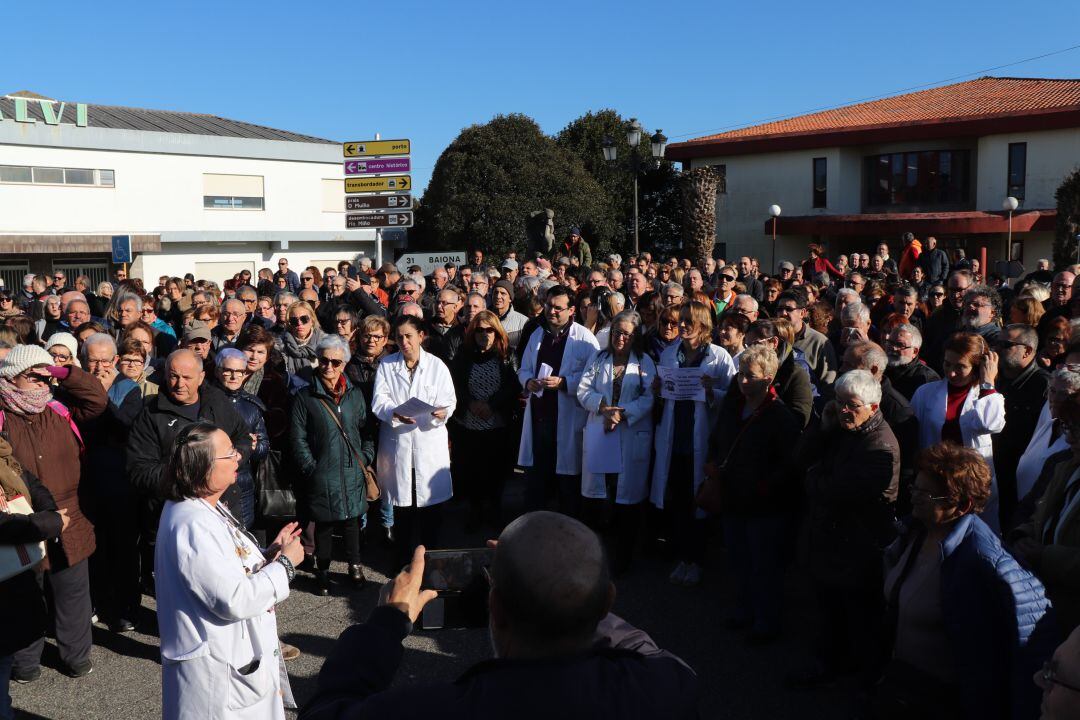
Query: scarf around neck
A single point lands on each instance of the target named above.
(23, 402)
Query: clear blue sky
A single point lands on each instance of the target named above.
(425, 70)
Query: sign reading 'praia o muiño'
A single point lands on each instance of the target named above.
(52, 113)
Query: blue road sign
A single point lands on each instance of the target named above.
(121, 248)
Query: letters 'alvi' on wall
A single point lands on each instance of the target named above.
(49, 112)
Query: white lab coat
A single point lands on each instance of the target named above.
(717, 364)
(580, 346)
(980, 417)
(1038, 450)
(215, 615)
(635, 431)
(424, 446)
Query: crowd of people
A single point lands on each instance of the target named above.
(904, 432)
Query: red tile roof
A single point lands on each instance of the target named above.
(986, 98)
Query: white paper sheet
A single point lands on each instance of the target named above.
(414, 408)
(681, 383)
(544, 372)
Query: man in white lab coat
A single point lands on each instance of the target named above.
(554, 360)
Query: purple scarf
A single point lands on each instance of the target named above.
(23, 402)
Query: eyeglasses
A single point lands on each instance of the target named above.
(332, 362)
(897, 346)
(131, 361)
(372, 338)
(851, 405)
(100, 363)
(1003, 344)
(342, 321)
(6, 300)
(785, 309)
(231, 455)
(937, 294)
(621, 334)
(671, 323)
(233, 314)
(60, 357)
(232, 372)
(58, 277)
(726, 279)
(410, 291)
(299, 320)
(306, 278)
(925, 494)
(1049, 675)
(282, 263)
(558, 310)
(486, 330)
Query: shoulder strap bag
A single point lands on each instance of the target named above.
(19, 557)
(371, 483)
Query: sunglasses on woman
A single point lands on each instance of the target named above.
(299, 320)
(332, 362)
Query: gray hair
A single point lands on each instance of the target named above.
(334, 342)
(679, 289)
(1067, 380)
(870, 356)
(984, 291)
(629, 316)
(855, 311)
(418, 278)
(287, 296)
(916, 336)
(247, 291)
(126, 297)
(860, 384)
(234, 301)
(229, 354)
(97, 339)
(906, 291)
(844, 292)
(1026, 334)
(750, 298)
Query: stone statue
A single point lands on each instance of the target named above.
(540, 229)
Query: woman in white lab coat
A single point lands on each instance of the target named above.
(413, 461)
(616, 390)
(964, 407)
(682, 438)
(216, 592)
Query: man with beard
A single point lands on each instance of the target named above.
(981, 312)
(1024, 385)
(906, 371)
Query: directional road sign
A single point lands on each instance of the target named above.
(404, 220)
(121, 249)
(384, 183)
(372, 148)
(378, 203)
(378, 166)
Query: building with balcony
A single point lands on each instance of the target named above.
(196, 193)
(935, 162)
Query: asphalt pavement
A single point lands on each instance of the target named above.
(738, 682)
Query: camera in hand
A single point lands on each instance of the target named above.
(460, 578)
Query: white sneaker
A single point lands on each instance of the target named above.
(693, 575)
(678, 575)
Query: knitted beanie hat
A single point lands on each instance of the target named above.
(22, 358)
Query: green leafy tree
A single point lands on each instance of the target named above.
(1068, 220)
(659, 203)
(492, 176)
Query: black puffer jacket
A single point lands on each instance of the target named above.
(23, 618)
(851, 486)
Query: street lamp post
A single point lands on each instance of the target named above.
(1009, 205)
(774, 210)
(658, 143)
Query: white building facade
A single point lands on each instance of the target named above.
(196, 193)
(938, 162)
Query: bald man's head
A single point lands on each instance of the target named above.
(551, 586)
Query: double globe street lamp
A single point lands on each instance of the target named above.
(633, 136)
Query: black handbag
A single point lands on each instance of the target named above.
(274, 497)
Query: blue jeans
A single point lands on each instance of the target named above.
(755, 546)
(6, 713)
(386, 514)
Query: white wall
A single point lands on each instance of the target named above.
(1051, 155)
(181, 258)
(156, 192)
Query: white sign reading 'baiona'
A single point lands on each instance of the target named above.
(429, 261)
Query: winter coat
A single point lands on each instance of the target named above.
(46, 447)
(332, 467)
(851, 486)
(792, 384)
(1059, 567)
(940, 326)
(505, 399)
(909, 259)
(995, 615)
(754, 456)
(105, 478)
(23, 619)
(1024, 400)
(906, 379)
(155, 429)
(935, 265)
(819, 354)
